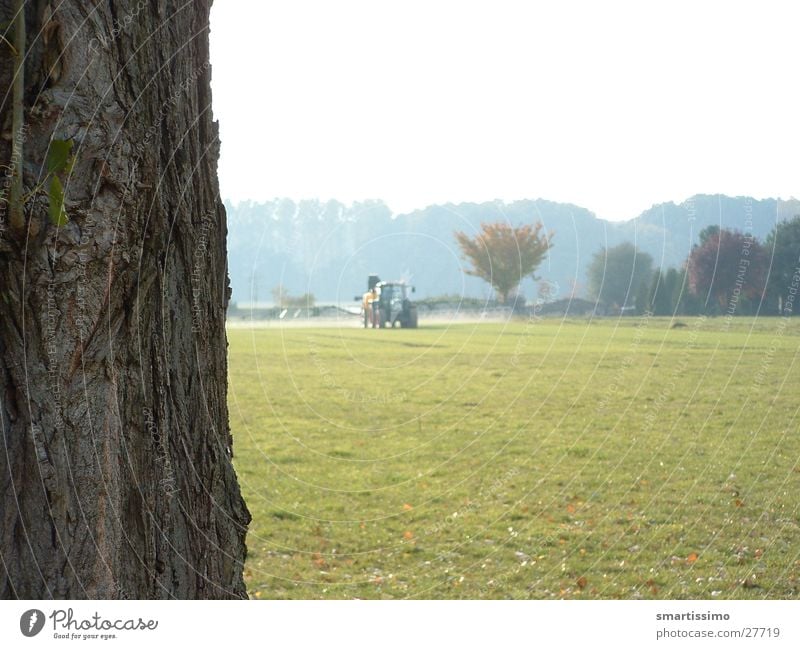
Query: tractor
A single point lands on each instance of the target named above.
(390, 304)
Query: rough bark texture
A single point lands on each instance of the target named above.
(116, 469)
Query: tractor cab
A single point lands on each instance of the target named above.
(395, 307)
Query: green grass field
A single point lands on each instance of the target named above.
(538, 459)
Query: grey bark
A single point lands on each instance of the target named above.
(116, 470)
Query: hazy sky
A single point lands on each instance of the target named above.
(612, 106)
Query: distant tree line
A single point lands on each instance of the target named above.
(328, 248)
(726, 272)
(284, 300)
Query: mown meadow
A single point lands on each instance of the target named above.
(607, 458)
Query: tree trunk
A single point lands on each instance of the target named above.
(116, 470)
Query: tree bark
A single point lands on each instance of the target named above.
(116, 470)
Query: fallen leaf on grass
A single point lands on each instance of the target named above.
(407, 507)
(408, 535)
(692, 557)
(582, 581)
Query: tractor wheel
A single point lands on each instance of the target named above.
(411, 321)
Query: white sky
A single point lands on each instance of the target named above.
(609, 105)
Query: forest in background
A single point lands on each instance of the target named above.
(327, 249)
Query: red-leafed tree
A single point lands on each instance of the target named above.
(504, 255)
(727, 265)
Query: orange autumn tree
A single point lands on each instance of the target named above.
(504, 255)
